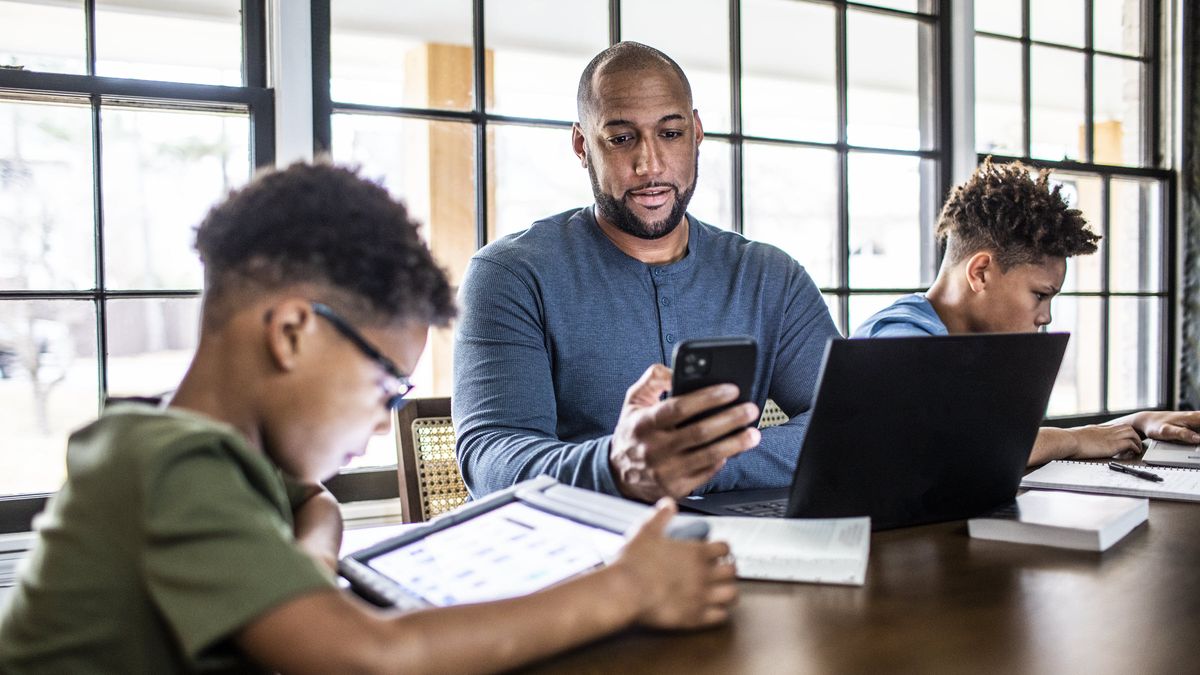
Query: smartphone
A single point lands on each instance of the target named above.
(701, 363)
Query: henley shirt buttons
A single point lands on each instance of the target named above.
(666, 302)
(670, 337)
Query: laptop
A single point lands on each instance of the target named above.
(913, 430)
(1163, 453)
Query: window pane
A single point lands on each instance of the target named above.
(695, 33)
(713, 200)
(788, 84)
(999, 122)
(833, 302)
(998, 16)
(1057, 90)
(43, 37)
(1118, 112)
(48, 388)
(1135, 235)
(534, 174)
(903, 5)
(862, 307)
(885, 85)
(1084, 192)
(429, 165)
(1060, 21)
(539, 48)
(1077, 389)
(46, 218)
(150, 343)
(1117, 26)
(888, 236)
(183, 41)
(806, 228)
(1134, 353)
(149, 219)
(415, 53)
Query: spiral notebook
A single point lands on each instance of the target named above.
(1177, 484)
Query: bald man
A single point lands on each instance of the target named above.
(566, 330)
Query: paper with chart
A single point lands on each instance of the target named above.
(1178, 484)
(818, 550)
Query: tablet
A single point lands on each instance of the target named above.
(523, 539)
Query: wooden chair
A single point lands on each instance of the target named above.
(430, 483)
(771, 415)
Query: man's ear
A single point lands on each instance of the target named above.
(579, 144)
(289, 327)
(979, 269)
(699, 126)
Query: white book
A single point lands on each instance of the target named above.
(1179, 484)
(814, 550)
(1062, 519)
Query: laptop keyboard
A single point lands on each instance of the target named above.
(772, 508)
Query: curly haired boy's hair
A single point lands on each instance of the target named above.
(1019, 218)
(322, 225)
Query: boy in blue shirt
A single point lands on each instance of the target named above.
(1007, 237)
(197, 537)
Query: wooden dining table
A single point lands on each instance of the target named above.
(937, 601)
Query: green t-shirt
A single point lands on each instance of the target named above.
(170, 534)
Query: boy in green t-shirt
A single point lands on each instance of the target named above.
(177, 545)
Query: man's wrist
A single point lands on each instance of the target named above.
(607, 473)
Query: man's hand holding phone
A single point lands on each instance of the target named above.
(652, 456)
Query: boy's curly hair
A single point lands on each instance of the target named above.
(324, 225)
(1020, 219)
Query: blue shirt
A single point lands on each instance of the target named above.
(911, 315)
(557, 323)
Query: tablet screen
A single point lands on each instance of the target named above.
(509, 551)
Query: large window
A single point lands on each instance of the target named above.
(827, 126)
(816, 139)
(1074, 85)
(121, 122)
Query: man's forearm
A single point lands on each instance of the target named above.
(494, 459)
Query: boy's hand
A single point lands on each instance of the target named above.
(652, 456)
(1168, 425)
(678, 584)
(1104, 440)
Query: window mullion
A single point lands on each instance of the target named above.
(735, 113)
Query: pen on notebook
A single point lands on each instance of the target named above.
(1144, 475)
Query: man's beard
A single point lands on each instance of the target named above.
(618, 213)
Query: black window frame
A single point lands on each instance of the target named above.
(17, 511)
(380, 482)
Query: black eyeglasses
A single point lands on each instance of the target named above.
(394, 401)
